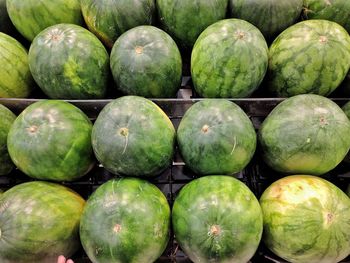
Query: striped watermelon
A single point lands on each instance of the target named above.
(108, 19)
(306, 220)
(184, 20)
(270, 16)
(145, 61)
(32, 16)
(6, 120)
(38, 222)
(217, 219)
(221, 61)
(305, 134)
(333, 10)
(310, 57)
(50, 140)
(69, 62)
(16, 80)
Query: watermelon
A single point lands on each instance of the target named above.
(133, 136)
(16, 80)
(69, 62)
(216, 137)
(309, 57)
(108, 19)
(333, 10)
(50, 140)
(270, 16)
(6, 120)
(30, 17)
(305, 134)
(38, 222)
(221, 60)
(145, 61)
(306, 220)
(184, 20)
(217, 219)
(125, 220)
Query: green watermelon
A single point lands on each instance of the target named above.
(306, 220)
(333, 10)
(217, 219)
(125, 220)
(6, 120)
(309, 57)
(16, 80)
(108, 19)
(221, 60)
(38, 222)
(145, 61)
(216, 137)
(305, 134)
(270, 16)
(133, 136)
(6, 25)
(184, 20)
(50, 140)
(32, 16)
(69, 62)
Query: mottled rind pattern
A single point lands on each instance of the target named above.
(69, 62)
(145, 61)
(125, 220)
(216, 137)
(51, 140)
(270, 16)
(16, 80)
(133, 136)
(30, 17)
(229, 60)
(225, 205)
(309, 57)
(6, 120)
(306, 220)
(305, 134)
(38, 222)
(184, 20)
(333, 10)
(108, 19)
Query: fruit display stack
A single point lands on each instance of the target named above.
(174, 131)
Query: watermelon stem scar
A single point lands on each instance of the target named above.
(125, 132)
(117, 228)
(33, 129)
(205, 128)
(215, 230)
(139, 50)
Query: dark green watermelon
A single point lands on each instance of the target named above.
(221, 61)
(133, 136)
(51, 140)
(270, 16)
(69, 62)
(184, 20)
(145, 61)
(32, 16)
(309, 57)
(108, 19)
(125, 220)
(6, 120)
(216, 137)
(306, 220)
(38, 222)
(16, 80)
(217, 219)
(333, 10)
(305, 134)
